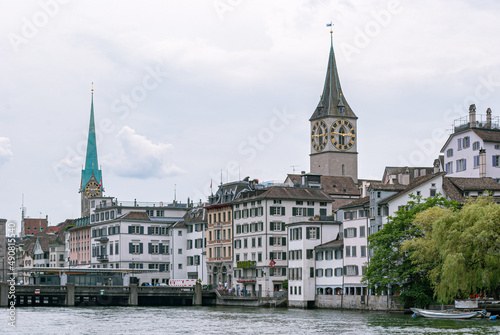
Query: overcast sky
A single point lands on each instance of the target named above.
(185, 89)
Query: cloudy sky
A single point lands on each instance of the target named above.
(187, 89)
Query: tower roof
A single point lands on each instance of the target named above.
(91, 163)
(332, 100)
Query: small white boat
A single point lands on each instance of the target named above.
(445, 314)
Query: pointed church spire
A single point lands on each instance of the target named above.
(91, 162)
(332, 101)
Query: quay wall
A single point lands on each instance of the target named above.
(359, 302)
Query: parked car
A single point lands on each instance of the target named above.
(146, 284)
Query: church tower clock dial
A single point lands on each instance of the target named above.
(342, 134)
(319, 135)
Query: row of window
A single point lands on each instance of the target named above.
(151, 213)
(97, 217)
(249, 227)
(219, 234)
(198, 244)
(328, 255)
(249, 212)
(312, 233)
(219, 252)
(243, 243)
(351, 251)
(353, 231)
(219, 217)
(293, 290)
(245, 257)
(354, 214)
(295, 274)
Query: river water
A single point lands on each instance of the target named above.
(228, 320)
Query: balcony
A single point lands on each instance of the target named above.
(246, 279)
(103, 239)
(102, 258)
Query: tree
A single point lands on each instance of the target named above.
(460, 250)
(390, 265)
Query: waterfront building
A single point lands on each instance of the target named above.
(334, 129)
(196, 223)
(260, 240)
(78, 252)
(57, 247)
(136, 235)
(219, 232)
(473, 149)
(329, 265)
(311, 258)
(355, 231)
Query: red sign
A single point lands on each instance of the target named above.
(37, 291)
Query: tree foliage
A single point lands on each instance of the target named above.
(460, 250)
(390, 265)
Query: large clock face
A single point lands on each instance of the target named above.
(319, 135)
(92, 189)
(342, 134)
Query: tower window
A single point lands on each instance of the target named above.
(342, 137)
(343, 169)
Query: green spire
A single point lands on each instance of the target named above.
(332, 101)
(91, 163)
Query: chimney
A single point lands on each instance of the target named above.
(488, 118)
(482, 163)
(472, 116)
(404, 178)
(436, 165)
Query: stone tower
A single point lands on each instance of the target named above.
(334, 130)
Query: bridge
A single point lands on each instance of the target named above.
(133, 295)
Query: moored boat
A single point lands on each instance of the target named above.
(451, 314)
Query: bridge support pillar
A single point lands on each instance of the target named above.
(133, 298)
(198, 295)
(70, 294)
(4, 294)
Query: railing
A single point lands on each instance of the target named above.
(102, 258)
(103, 239)
(481, 123)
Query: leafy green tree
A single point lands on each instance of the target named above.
(460, 250)
(390, 265)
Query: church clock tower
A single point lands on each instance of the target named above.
(91, 183)
(333, 129)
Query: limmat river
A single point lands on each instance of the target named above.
(228, 320)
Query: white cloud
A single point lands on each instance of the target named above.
(139, 157)
(5, 152)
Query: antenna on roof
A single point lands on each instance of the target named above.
(293, 168)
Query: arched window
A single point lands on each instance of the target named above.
(342, 137)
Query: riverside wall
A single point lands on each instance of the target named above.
(387, 303)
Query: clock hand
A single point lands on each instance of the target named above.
(350, 134)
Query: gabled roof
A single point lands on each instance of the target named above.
(333, 185)
(291, 193)
(413, 185)
(486, 135)
(332, 97)
(357, 203)
(396, 170)
(136, 216)
(455, 187)
(195, 215)
(338, 243)
(379, 186)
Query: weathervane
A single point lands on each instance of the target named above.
(331, 27)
